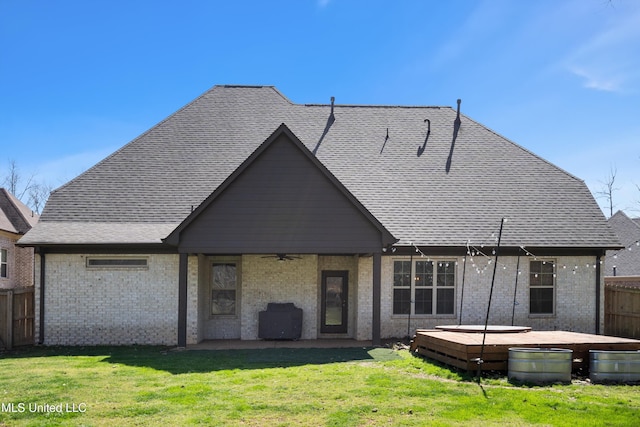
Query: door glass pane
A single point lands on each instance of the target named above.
(333, 301)
(224, 276)
(223, 289)
(223, 302)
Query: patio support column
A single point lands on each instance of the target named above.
(182, 300)
(375, 318)
(42, 294)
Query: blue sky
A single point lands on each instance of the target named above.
(79, 79)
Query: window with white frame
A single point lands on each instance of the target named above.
(224, 283)
(4, 255)
(424, 287)
(542, 280)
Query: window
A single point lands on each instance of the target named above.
(429, 285)
(117, 262)
(542, 278)
(224, 282)
(3, 262)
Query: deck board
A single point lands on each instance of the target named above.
(460, 348)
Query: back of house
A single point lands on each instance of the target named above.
(374, 220)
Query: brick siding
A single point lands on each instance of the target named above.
(574, 296)
(109, 306)
(139, 306)
(19, 263)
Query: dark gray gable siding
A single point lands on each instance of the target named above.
(281, 201)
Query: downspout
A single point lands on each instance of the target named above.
(598, 286)
(42, 293)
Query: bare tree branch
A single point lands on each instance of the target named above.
(13, 177)
(38, 195)
(609, 188)
(13, 181)
(32, 193)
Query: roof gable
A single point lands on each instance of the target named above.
(15, 216)
(281, 200)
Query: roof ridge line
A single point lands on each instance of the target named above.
(272, 87)
(375, 106)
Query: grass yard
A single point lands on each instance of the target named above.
(150, 386)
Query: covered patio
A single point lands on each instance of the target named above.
(281, 206)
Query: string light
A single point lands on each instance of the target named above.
(474, 251)
(627, 248)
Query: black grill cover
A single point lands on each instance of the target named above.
(281, 321)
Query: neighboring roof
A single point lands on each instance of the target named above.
(430, 178)
(626, 260)
(15, 216)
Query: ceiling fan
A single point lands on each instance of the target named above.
(282, 257)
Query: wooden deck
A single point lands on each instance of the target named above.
(459, 349)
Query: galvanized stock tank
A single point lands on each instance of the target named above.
(614, 366)
(540, 365)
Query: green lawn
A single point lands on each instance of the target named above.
(336, 387)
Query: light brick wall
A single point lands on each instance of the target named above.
(574, 296)
(129, 306)
(266, 280)
(19, 263)
(365, 298)
(193, 307)
(110, 306)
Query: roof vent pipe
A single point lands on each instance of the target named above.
(333, 99)
(458, 115)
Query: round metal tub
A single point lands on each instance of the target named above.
(614, 366)
(540, 365)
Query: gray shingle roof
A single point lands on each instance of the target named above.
(627, 260)
(375, 151)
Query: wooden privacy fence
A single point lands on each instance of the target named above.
(622, 307)
(16, 317)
